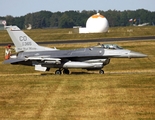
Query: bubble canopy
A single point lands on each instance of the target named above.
(109, 46)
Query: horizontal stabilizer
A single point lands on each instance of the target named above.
(12, 60)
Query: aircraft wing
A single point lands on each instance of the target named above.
(46, 59)
(42, 58)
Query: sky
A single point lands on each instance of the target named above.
(22, 7)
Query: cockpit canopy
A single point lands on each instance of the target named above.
(109, 46)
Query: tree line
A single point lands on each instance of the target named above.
(68, 19)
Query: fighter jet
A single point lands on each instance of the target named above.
(42, 58)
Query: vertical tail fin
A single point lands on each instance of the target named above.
(22, 41)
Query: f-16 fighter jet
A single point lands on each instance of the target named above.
(42, 58)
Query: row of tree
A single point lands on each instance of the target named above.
(68, 19)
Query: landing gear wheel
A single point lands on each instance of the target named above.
(58, 72)
(101, 71)
(66, 71)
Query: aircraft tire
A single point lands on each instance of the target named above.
(101, 71)
(66, 71)
(58, 72)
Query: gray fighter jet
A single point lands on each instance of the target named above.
(43, 58)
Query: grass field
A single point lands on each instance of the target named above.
(125, 92)
(69, 34)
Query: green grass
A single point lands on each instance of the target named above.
(125, 91)
(69, 34)
(89, 96)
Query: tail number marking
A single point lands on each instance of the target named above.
(23, 40)
(26, 44)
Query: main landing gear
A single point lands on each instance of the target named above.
(66, 71)
(101, 71)
(62, 71)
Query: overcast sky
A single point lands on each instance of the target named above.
(23, 7)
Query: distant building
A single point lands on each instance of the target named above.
(2, 23)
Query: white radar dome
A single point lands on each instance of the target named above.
(97, 24)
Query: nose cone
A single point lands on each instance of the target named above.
(133, 54)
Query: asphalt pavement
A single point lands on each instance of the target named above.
(91, 40)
